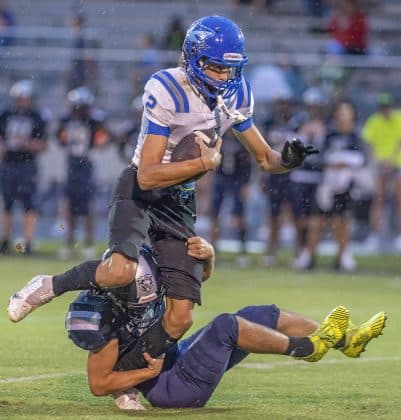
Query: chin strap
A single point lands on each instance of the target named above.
(235, 116)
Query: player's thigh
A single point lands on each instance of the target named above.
(198, 369)
(180, 274)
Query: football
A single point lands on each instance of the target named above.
(188, 149)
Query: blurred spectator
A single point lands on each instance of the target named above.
(231, 180)
(293, 76)
(79, 132)
(382, 131)
(276, 186)
(129, 138)
(82, 71)
(22, 137)
(7, 20)
(317, 8)
(312, 129)
(342, 158)
(174, 37)
(348, 28)
(256, 6)
(272, 76)
(149, 63)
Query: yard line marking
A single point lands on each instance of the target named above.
(37, 377)
(323, 362)
(242, 365)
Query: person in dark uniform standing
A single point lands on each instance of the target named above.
(232, 179)
(277, 186)
(22, 137)
(79, 132)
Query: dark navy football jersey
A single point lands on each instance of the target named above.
(80, 135)
(126, 313)
(17, 128)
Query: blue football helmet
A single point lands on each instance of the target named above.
(214, 40)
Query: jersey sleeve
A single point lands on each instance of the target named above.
(159, 107)
(244, 104)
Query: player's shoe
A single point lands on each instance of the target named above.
(36, 293)
(128, 400)
(330, 332)
(357, 338)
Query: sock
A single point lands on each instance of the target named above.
(242, 237)
(299, 347)
(80, 277)
(341, 343)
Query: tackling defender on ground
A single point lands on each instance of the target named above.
(110, 323)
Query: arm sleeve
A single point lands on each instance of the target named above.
(159, 108)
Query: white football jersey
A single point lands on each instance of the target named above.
(173, 108)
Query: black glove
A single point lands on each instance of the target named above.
(295, 152)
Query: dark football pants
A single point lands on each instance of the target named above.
(203, 358)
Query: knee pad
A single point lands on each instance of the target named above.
(266, 315)
(226, 328)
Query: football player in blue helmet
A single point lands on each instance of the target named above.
(153, 198)
(214, 41)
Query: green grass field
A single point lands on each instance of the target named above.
(42, 374)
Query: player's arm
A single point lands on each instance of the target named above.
(269, 160)
(152, 173)
(103, 380)
(293, 154)
(201, 249)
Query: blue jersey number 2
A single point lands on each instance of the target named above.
(151, 102)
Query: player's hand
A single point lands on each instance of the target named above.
(199, 248)
(210, 156)
(154, 365)
(295, 152)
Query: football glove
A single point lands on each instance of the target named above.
(295, 152)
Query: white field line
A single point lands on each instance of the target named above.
(323, 362)
(37, 377)
(242, 365)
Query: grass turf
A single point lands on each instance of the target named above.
(266, 387)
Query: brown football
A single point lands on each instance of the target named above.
(188, 149)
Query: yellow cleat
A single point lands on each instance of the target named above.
(357, 338)
(330, 332)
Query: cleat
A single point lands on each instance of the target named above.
(36, 293)
(128, 400)
(357, 338)
(330, 332)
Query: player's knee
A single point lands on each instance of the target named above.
(226, 328)
(121, 273)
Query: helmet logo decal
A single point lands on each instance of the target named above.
(230, 56)
(202, 34)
